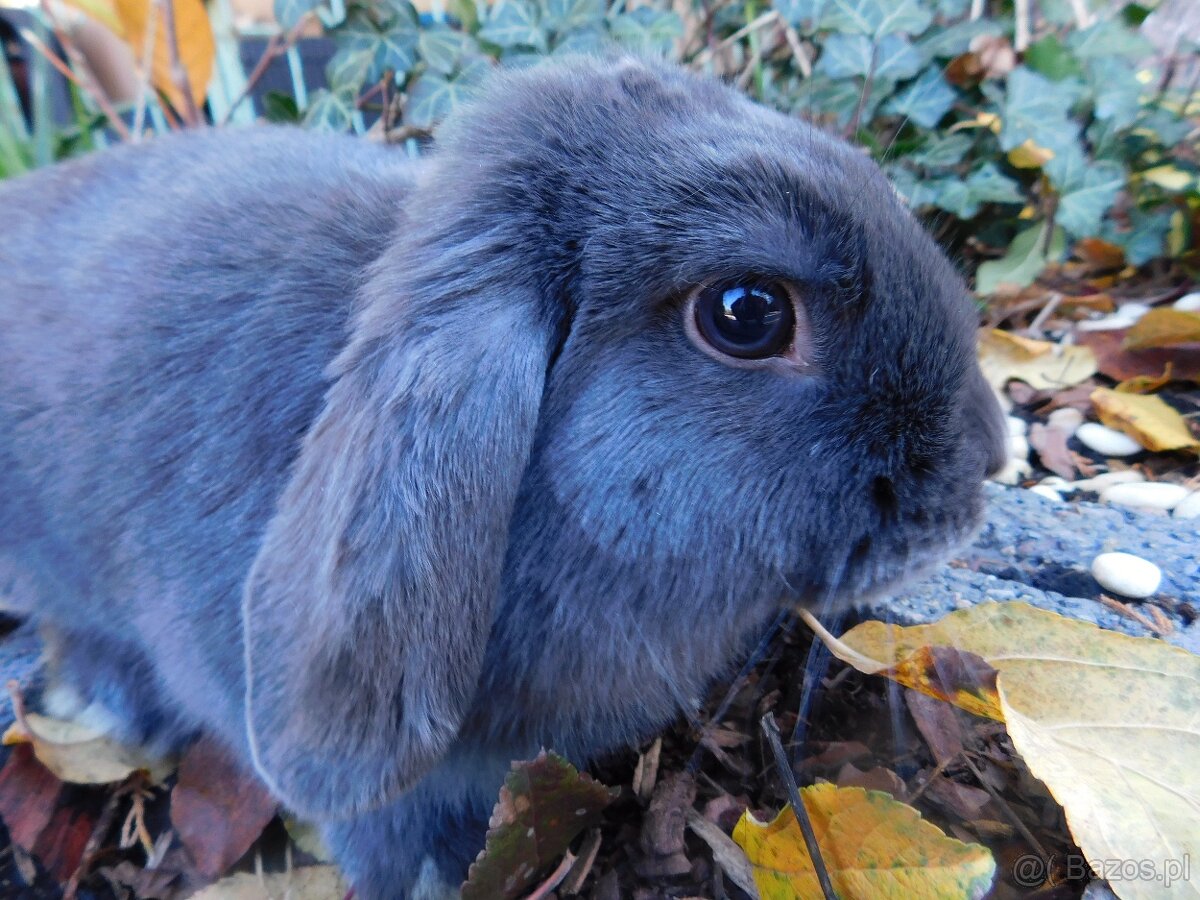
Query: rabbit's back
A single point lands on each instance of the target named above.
(166, 316)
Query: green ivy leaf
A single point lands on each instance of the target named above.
(288, 13)
(1109, 38)
(433, 96)
(582, 40)
(877, 17)
(1025, 260)
(838, 98)
(514, 23)
(1090, 195)
(1144, 239)
(441, 47)
(954, 40)
(925, 101)
(942, 150)
(565, 15)
(988, 184)
(1117, 92)
(1036, 109)
(348, 69)
(647, 30)
(397, 51)
(806, 15)
(844, 55)
(1050, 58)
(330, 111)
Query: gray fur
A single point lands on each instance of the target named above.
(386, 473)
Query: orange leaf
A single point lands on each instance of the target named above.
(196, 46)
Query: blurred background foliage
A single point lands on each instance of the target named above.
(1024, 130)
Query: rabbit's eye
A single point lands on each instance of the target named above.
(745, 320)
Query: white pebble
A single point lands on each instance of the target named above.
(1056, 483)
(1066, 419)
(1106, 441)
(1188, 302)
(1188, 507)
(1146, 494)
(1132, 310)
(1043, 490)
(1098, 483)
(1014, 471)
(1016, 425)
(1108, 323)
(1126, 574)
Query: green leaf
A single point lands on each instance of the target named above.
(955, 40)
(288, 13)
(565, 15)
(1109, 38)
(1144, 239)
(514, 23)
(876, 17)
(895, 58)
(1116, 90)
(806, 15)
(1036, 109)
(330, 112)
(925, 101)
(280, 107)
(647, 30)
(843, 55)
(942, 150)
(397, 51)
(1050, 58)
(582, 40)
(846, 55)
(837, 98)
(348, 69)
(432, 97)
(1023, 263)
(441, 47)
(1087, 197)
(988, 185)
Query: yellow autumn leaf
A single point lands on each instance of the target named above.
(1030, 155)
(1004, 356)
(79, 754)
(1168, 177)
(1111, 724)
(872, 845)
(1163, 327)
(197, 50)
(306, 883)
(987, 120)
(1147, 419)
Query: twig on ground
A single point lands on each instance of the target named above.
(277, 45)
(144, 74)
(543, 890)
(1129, 612)
(799, 810)
(761, 22)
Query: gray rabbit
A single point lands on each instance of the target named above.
(385, 473)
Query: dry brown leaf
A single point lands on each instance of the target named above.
(1120, 364)
(1148, 420)
(1040, 364)
(872, 846)
(1163, 327)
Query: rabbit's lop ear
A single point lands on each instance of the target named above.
(369, 605)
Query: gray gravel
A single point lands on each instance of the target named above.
(1035, 550)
